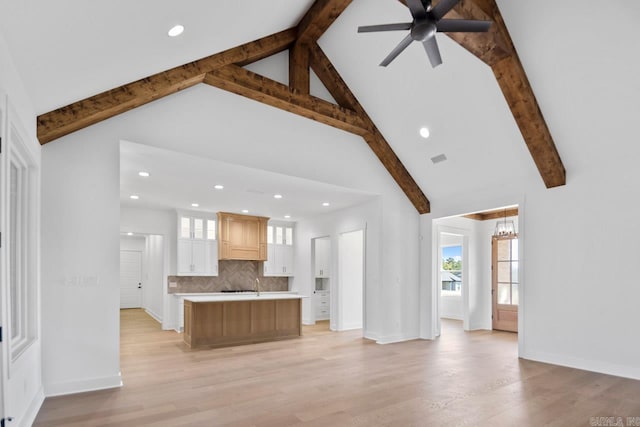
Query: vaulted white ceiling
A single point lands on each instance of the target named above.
(581, 64)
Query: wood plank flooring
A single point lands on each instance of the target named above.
(339, 379)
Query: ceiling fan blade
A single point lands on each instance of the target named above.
(463, 26)
(431, 47)
(384, 27)
(397, 50)
(417, 9)
(442, 8)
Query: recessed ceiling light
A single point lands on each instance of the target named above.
(176, 31)
(143, 173)
(326, 204)
(218, 187)
(134, 197)
(287, 216)
(424, 132)
(195, 205)
(245, 211)
(277, 196)
(129, 234)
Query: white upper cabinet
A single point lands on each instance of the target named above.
(197, 245)
(323, 257)
(279, 250)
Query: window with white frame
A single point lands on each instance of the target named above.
(451, 273)
(21, 248)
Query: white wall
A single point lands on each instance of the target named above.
(80, 265)
(351, 279)
(366, 216)
(153, 285)
(156, 222)
(133, 243)
(23, 392)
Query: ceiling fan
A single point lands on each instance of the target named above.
(427, 20)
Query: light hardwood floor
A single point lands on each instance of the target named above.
(339, 379)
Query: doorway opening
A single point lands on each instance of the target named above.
(504, 283)
(452, 269)
(339, 281)
(477, 279)
(142, 268)
(321, 303)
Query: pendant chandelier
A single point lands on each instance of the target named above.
(505, 228)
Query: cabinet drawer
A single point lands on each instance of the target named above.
(318, 300)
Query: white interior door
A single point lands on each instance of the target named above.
(130, 279)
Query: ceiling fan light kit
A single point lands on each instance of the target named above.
(427, 21)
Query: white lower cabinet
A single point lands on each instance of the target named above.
(176, 305)
(279, 261)
(321, 304)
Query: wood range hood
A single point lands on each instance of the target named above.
(242, 237)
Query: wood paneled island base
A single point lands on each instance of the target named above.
(227, 323)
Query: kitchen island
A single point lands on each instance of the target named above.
(226, 320)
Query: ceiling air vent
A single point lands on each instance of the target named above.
(439, 158)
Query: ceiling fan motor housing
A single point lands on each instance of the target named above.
(423, 30)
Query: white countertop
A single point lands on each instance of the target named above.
(249, 296)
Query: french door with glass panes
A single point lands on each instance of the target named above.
(504, 291)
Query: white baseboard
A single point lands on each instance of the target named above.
(30, 415)
(82, 386)
(632, 372)
(154, 315)
(451, 317)
(390, 339)
(370, 335)
(351, 326)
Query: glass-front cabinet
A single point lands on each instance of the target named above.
(279, 250)
(197, 245)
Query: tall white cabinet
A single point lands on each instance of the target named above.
(322, 293)
(323, 257)
(279, 250)
(197, 245)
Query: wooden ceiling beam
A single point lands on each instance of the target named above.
(493, 214)
(80, 114)
(319, 18)
(259, 88)
(334, 83)
(495, 48)
(299, 78)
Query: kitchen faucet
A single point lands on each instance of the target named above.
(257, 286)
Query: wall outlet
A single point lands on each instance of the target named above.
(173, 284)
